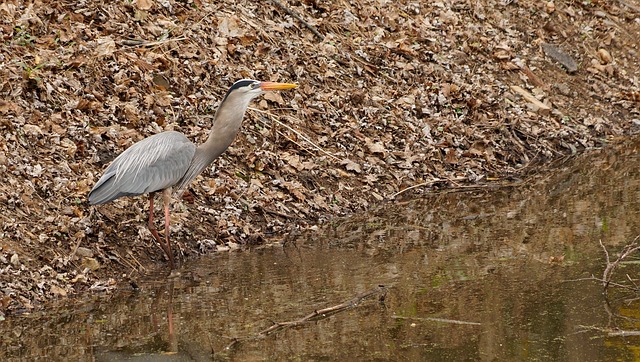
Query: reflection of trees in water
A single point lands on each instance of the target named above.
(474, 243)
(501, 258)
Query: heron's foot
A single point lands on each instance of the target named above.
(164, 246)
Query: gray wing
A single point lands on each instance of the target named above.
(153, 164)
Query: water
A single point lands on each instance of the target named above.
(484, 274)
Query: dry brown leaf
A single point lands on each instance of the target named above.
(56, 290)
(351, 166)
(105, 46)
(275, 97)
(296, 189)
(7, 106)
(228, 27)
(293, 161)
(144, 4)
(605, 56)
(375, 147)
(163, 99)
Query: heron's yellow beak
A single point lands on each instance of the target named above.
(268, 86)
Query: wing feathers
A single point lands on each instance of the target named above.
(152, 164)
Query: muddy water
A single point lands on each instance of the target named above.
(481, 274)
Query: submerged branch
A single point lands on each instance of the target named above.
(326, 312)
(441, 320)
(609, 332)
(611, 266)
(316, 315)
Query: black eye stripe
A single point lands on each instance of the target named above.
(242, 83)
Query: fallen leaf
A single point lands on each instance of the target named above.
(275, 97)
(228, 27)
(56, 290)
(351, 166)
(105, 46)
(144, 4)
(375, 147)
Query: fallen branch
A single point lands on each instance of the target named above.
(428, 183)
(145, 43)
(539, 106)
(316, 315)
(326, 312)
(601, 281)
(609, 332)
(623, 333)
(299, 18)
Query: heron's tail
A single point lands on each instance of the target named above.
(105, 191)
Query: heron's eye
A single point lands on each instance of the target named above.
(255, 85)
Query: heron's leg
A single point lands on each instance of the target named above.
(153, 230)
(166, 198)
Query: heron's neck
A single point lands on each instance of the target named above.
(226, 125)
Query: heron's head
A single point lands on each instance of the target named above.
(247, 89)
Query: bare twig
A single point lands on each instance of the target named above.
(611, 266)
(316, 315)
(441, 320)
(140, 266)
(635, 286)
(264, 209)
(605, 281)
(601, 281)
(75, 248)
(630, 6)
(306, 139)
(428, 183)
(298, 17)
(120, 260)
(144, 43)
(623, 333)
(609, 331)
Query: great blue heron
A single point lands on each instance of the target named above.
(169, 159)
